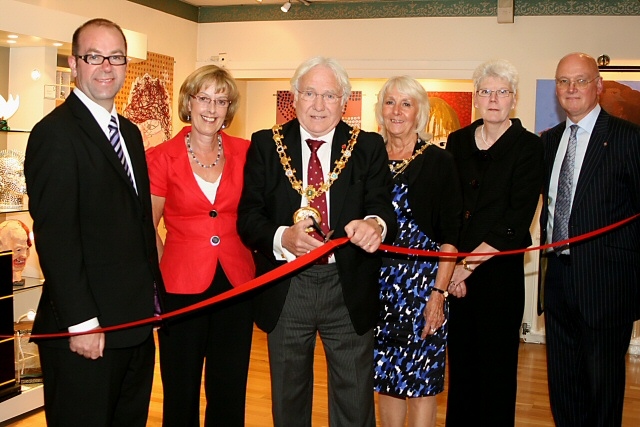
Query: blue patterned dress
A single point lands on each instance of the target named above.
(404, 364)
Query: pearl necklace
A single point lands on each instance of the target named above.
(482, 135)
(195, 159)
(484, 141)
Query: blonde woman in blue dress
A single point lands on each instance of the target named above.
(411, 336)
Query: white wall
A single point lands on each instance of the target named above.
(443, 48)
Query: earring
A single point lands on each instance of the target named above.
(188, 117)
(224, 126)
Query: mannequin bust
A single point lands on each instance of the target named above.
(14, 236)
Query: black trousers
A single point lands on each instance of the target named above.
(217, 337)
(483, 341)
(586, 366)
(111, 391)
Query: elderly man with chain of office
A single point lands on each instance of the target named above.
(312, 179)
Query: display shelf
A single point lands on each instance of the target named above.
(25, 298)
(29, 283)
(64, 84)
(6, 211)
(32, 397)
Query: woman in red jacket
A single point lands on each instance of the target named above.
(196, 181)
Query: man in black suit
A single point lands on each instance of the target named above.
(91, 206)
(338, 297)
(592, 287)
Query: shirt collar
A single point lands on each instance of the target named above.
(102, 116)
(304, 135)
(588, 122)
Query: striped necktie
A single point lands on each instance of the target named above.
(114, 138)
(562, 210)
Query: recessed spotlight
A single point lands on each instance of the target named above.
(11, 41)
(12, 36)
(57, 44)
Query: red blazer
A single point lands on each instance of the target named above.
(199, 234)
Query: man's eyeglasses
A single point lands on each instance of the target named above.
(206, 101)
(93, 59)
(500, 93)
(310, 96)
(580, 83)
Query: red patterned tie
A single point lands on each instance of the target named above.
(315, 178)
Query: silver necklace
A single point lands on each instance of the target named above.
(195, 159)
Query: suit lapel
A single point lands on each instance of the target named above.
(596, 150)
(95, 135)
(340, 187)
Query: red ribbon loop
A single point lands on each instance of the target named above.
(310, 258)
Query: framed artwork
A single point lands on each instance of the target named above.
(450, 111)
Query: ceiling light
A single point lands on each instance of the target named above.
(304, 2)
(12, 36)
(286, 6)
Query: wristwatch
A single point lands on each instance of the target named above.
(440, 291)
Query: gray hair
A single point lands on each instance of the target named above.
(499, 68)
(413, 89)
(338, 70)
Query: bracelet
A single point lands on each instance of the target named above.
(467, 266)
(440, 291)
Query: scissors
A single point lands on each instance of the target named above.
(318, 229)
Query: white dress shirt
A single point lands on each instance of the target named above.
(585, 129)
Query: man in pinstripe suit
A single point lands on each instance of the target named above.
(592, 290)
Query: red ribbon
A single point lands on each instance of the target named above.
(309, 258)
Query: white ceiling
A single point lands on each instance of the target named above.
(31, 41)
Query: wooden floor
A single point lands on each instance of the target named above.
(532, 402)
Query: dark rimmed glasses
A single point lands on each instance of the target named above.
(93, 59)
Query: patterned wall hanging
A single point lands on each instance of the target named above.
(146, 97)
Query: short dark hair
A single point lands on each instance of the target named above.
(97, 22)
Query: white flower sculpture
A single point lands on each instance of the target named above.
(8, 108)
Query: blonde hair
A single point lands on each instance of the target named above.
(413, 89)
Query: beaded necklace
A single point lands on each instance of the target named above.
(193, 155)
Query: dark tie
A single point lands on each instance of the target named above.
(114, 138)
(315, 178)
(562, 210)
